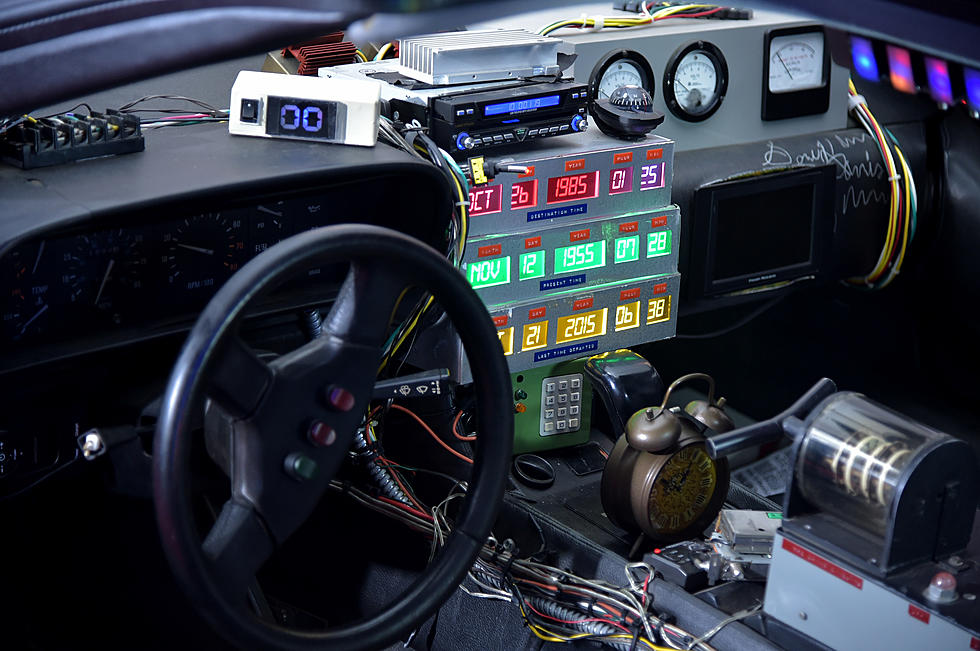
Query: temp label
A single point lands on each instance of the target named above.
(555, 213)
(565, 351)
(558, 283)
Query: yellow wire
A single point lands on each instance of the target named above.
(360, 55)
(897, 267)
(655, 647)
(382, 52)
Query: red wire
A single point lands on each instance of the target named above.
(394, 475)
(646, 582)
(577, 621)
(700, 14)
(431, 433)
(405, 507)
(456, 429)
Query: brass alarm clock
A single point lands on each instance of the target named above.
(659, 478)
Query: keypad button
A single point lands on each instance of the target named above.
(562, 398)
(561, 425)
(562, 412)
(573, 423)
(549, 427)
(550, 401)
(573, 410)
(549, 413)
(549, 387)
(563, 385)
(575, 383)
(576, 396)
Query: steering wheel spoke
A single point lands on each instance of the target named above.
(367, 299)
(240, 379)
(236, 547)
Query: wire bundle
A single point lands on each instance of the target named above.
(646, 17)
(903, 201)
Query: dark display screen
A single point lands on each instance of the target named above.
(301, 118)
(521, 105)
(761, 232)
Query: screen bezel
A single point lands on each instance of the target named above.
(707, 199)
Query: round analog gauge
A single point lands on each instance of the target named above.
(617, 69)
(204, 251)
(24, 303)
(695, 81)
(105, 270)
(796, 62)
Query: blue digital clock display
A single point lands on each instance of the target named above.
(301, 118)
(521, 105)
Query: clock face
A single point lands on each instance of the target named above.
(682, 490)
(796, 62)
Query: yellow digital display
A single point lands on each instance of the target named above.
(535, 335)
(582, 326)
(628, 316)
(506, 337)
(658, 310)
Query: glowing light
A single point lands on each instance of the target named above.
(940, 86)
(863, 56)
(972, 78)
(900, 69)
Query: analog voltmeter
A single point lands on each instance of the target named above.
(695, 81)
(617, 69)
(795, 73)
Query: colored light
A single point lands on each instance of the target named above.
(506, 337)
(487, 273)
(521, 105)
(900, 69)
(628, 316)
(627, 249)
(579, 257)
(486, 200)
(940, 87)
(972, 78)
(621, 180)
(582, 326)
(658, 244)
(863, 57)
(658, 310)
(532, 265)
(535, 335)
(524, 194)
(652, 176)
(575, 186)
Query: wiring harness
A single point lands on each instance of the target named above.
(650, 12)
(903, 200)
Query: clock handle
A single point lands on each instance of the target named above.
(789, 422)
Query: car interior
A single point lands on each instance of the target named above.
(630, 324)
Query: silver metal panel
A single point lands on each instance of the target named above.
(739, 119)
(656, 227)
(845, 610)
(472, 56)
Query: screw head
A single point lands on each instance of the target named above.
(803, 615)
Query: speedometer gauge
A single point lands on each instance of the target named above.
(617, 69)
(695, 81)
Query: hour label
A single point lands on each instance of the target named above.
(628, 316)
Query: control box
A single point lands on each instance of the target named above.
(269, 105)
(553, 407)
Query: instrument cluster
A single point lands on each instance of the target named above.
(136, 275)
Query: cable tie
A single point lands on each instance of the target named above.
(585, 20)
(896, 177)
(598, 23)
(853, 101)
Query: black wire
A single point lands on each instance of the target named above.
(40, 479)
(735, 326)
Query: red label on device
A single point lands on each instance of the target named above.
(583, 303)
(629, 294)
(975, 644)
(826, 565)
(500, 321)
(660, 289)
(576, 236)
(532, 242)
(625, 157)
(536, 313)
(577, 164)
(658, 221)
(654, 153)
(917, 613)
(487, 251)
(631, 227)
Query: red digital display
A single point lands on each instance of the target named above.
(574, 186)
(486, 200)
(621, 180)
(524, 194)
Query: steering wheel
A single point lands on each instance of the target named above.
(293, 420)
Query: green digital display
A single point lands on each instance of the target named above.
(589, 255)
(627, 249)
(658, 243)
(487, 273)
(532, 265)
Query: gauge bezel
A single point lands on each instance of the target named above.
(714, 53)
(792, 104)
(611, 57)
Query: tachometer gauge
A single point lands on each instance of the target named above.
(695, 81)
(620, 68)
(202, 252)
